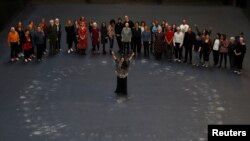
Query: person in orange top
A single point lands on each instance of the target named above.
(13, 42)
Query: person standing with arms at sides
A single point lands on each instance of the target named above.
(231, 48)
(118, 30)
(137, 39)
(52, 37)
(239, 53)
(126, 38)
(77, 26)
(223, 50)
(82, 38)
(206, 47)
(95, 38)
(70, 35)
(13, 42)
(152, 31)
(111, 35)
(169, 36)
(20, 30)
(197, 50)
(178, 42)
(44, 27)
(189, 39)
(216, 47)
(122, 66)
(184, 26)
(159, 40)
(104, 36)
(39, 41)
(27, 47)
(32, 30)
(59, 34)
(146, 39)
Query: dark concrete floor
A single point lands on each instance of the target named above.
(70, 97)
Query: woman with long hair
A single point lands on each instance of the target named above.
(122, 66)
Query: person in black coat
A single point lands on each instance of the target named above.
(70, 35)
(189, 41)
(231, 48)
(104, 36)
(137, 39)
(118, 30)
(59, 34)
(239, 53)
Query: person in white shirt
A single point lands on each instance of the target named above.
(178, 42)
(216, 45)
(184, 26)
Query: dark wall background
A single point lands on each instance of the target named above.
(9, 8)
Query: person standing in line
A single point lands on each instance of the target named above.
(216, 47)
(127, 20)
(169, 36)
(118, 30)
(239, 53)
(197, 50)
(39, 41)
(137, 39)
(206, 48)
(27, 47)
(111, 35)
(152, 31)
(52, 37)
(13, 42)
(70, 35)
(126, 38)
(20, 30)
(77, 26)
(104, 36)
(142, 25)
(32, 30)
(146, 39)
(44, 27)
(159, 41)
(231, 48)
(122, 66)
(189, 40)
(178, 42)
(223, 50)
(59, 34)
(95, 38)
(184, 26)
(82, 38)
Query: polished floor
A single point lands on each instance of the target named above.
(71, 98)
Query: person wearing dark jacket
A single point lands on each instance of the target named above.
(39, 41)
(137, 39)
(231, 48)
(189, 40)
(59, 34)
(104, 36)
(118, 30)
(239, 52)
(52, 37)
(70, 35)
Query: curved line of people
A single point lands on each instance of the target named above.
(157, 39)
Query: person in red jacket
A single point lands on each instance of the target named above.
(27, 46)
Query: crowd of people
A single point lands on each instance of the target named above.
(157, 39)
